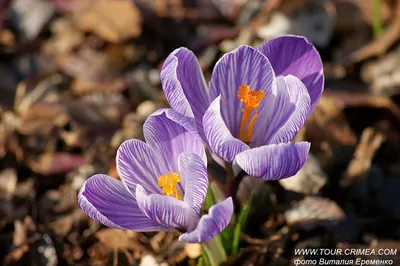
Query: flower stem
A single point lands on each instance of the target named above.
(229, 180)
(232, 181)
(215, 251)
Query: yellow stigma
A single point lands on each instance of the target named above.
(168, 183)
(251, 101)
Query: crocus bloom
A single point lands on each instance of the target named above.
(163, 184)
(255, 104)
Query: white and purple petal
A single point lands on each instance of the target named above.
(282, 114)
(295, 55)
(169, 134)
(211, 224)
(107, 201)
(138, 163)
(184, 85)
(219, 138)
(194, 178)
(275, 161)
(165, 210)
(243, 66)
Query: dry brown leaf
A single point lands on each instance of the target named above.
(345, 99)
(20, 233)
(8, 183)
(44, 92)
(73, 138)
(367, 10)
(383, 74)
(65, 37)
(70, 5)
(41, 118)
(82, 86)
(7, 37)
(62, 226)
(114, 238)
(3, 139)
(313, 211)
(56, 163)
(112, 20)
(17, 253)
(362, 159)
(245, 257)
(380, 45)
(99, 111)
(328, 121)
(85, 63)
(20, 238)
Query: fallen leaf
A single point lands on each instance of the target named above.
(65, 37)
(56, 163)
(383, 74)
(314, 211)
(327, 122)
(8, 183)
(112, 20)
(62, 226)
(114, 238)
(42, 118)
(360, 165)
(3, 139)
(82, 86)
(380, 45)
(86, 63)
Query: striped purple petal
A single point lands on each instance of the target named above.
(138, 163)
(297, 56)
(167, 211)
(275, 161)
(219, 138)
(243, 66)
(194, 178)
(169, 134)
(211, 224)
(184, 85)
(281, 117)
(106, 200)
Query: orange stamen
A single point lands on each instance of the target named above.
(251, 101)
(168, 184)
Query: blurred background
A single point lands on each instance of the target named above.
(78, 77)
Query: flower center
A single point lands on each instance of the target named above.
(251, 101)
(168, 184)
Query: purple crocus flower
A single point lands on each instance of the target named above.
(256, 102)
(164, 184)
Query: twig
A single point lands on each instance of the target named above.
(361, 162)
